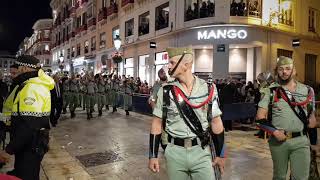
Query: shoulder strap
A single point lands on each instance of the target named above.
(209, 113)
(272, 94)
(166, 103)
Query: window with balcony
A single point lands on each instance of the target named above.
(86, 47)
(104, 3)
(195, 9)
(285, 16)
(73, 53)
(68, 53)
(129, 25)
(162, 16)
(144, 22)
(103, 39)
(78, 49)
(313, 14)
(93, 43)
(115, 32)
(84, 19)
(250, 8)
(90, 12)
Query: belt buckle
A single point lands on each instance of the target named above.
(289, 135)
(187, 143)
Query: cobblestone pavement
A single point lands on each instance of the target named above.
(115, 147)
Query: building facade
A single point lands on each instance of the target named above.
(233, 38)
(6, 60)
(39, 43)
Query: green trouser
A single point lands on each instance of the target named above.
(84, 100)
(114, 98)
(297, 152)
(101, 100)
(192, 163)
(74, 101)
(66, 99)
(80, 99)
(164, 137)
(127, 102)
(90, 102)
(107, 96)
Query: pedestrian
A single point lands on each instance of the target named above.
(56, 101)
(74, 95)
(183, 109)
(101, 94)
(91, 92)
(107, 90)
(66, 93)
(30, 118)
(114, 93)
(127, 97)
(286, 111)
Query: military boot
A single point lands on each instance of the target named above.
(127, 113)
(88, 116)
(100, 113)
(64, 111)
(114, 109)
(107, 107)
(73, 114)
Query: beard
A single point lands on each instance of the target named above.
(285, 81)
(163, 78)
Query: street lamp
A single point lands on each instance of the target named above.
(61, 63)
(117, 44)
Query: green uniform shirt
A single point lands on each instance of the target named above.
(74, 86)
(91, 87)
(101, 87)
(283, 116)
(66, 86)
(175, 125)
(155, 90)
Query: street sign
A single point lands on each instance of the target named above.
(221, 48)
(295, 42)
(153, 45)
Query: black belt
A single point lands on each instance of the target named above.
(294, 134)
(183, 142)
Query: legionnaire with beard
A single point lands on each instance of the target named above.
(286, 110)
(101, 94)
(91, 92)
(188, 111)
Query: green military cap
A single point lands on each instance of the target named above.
(172, 51)
(282, 60)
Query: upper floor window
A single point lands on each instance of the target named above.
(84, 18)
(162, 16)
(90, 12)
(103, 39)
(312, 19)
(144, 20)
(104, 3)
(195, 9)
(78, 49)
(86, 47)
(68, 53)
(246, 8)
(285, 16)
(129, 25)
(93, 43)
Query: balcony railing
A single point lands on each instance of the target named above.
(92, 22)
(72, 11)
(84, 2)
(113, 9)
(84, 27)
(102, 14)
(126, 2)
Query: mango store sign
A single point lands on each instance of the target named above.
(222, 34)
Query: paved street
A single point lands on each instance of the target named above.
(115, 147)
(123, 146)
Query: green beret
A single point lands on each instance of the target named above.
(178, 51)
(282, 60)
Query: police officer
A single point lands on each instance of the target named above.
(91, 92)
(182, 108)
(101, 94)
(66, 93)
(286, 110)
(30, 118)
(74, 95)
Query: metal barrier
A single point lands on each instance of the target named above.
(237, 111)
(139, 103)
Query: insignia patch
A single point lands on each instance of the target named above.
(29, 100)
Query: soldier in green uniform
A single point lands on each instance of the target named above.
(80, 103)
(74, 95)
(91, 92)
(153, 100)
(285, 112)
(127, 96)
(108, 89)
(83, 90)
(101, 94)
(182, 110)
(114, 93)
(66, 93)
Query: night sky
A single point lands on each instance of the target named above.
(17, 18)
